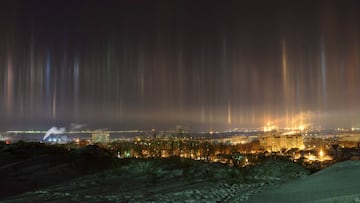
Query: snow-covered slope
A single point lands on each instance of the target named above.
(338, 183)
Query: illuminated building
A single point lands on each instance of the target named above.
(239, 139)
(275, 142)
(100, 136)
(349, 140)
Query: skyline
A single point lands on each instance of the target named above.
(154, 64)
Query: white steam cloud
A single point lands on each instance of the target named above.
(54, 131)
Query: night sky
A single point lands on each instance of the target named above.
(207, 65)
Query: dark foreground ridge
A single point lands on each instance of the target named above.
(35, 172)
(31, 166)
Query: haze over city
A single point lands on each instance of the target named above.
(203, 64)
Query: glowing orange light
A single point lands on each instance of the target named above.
(321, 154)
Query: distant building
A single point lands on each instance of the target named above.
(275, 141)
(100, 136)
(349, 140)
(238, 139)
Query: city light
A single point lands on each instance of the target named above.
(270, 127)
(321, 154)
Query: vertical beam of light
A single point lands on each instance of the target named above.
(119, 83)
(202, 114)
(299, 96)
(9, 85)
(229, 113)
(54, 104)
(76, 72)
(211, 120)
(323, 74)
(40, 79)
(109, 86)
(4, 86)
(141, 74)
(284, 64)
(22, 89)
(32, 85)
(64, 83)
(110, 72)
(224, 68)
(180, 75)
(341, 92)
(47, 75)
(121, 109)
(54, 97)
(285, 81)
